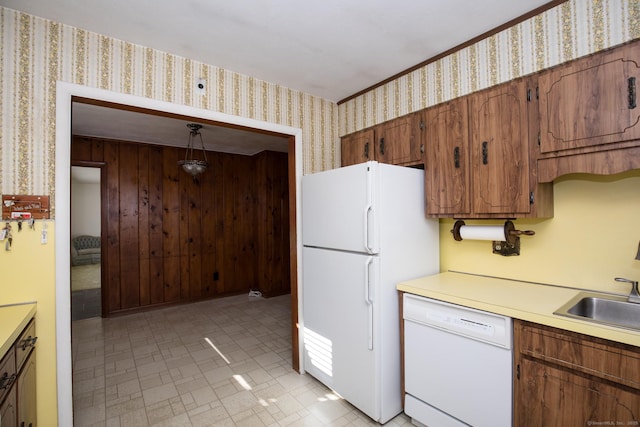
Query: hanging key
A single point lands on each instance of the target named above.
(7, 234)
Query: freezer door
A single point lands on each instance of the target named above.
(339, 208)
(339, 334)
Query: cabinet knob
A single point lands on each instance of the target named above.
(381, 145)
(631, 92)
(366, 150)
(456, 157)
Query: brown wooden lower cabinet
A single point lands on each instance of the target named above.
(26, 388)
(8, 410)
(18, 381)
(566, 379)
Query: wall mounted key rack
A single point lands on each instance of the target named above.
(23, 207)
(20, 211)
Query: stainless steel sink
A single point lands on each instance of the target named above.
(600, 308)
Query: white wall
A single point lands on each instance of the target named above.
(85, 208)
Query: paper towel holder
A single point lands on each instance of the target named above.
(507, 247)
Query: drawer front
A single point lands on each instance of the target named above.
(607, 360)
(25, 343)
(8, 372)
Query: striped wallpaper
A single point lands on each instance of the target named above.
(573, 29)
(35, 53)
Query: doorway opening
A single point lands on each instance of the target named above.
(65, 95)
(86, 242)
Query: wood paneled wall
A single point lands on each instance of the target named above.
(168, 238)
(273, 223)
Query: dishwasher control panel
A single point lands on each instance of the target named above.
(462, 323)
(481, 325)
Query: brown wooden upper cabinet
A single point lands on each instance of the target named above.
(589, 114)
(357, 147)
(395, 142)
(499, 142)
(495, 153)
(445, 136)
(479, 155)
(591, 102)
(398, 141)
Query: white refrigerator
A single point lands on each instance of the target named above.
(364, 230)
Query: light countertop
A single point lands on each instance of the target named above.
(13, 319)
(528, 301)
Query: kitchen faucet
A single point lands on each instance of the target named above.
(634, 296)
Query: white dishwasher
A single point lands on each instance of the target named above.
(458, 365)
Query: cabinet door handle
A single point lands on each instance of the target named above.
(631, 91)
(7, 380)
(485, 153)
(456, 157)
(381, 145)
(366, 150)
(28, 342)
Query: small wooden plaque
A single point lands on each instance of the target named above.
(18, 206)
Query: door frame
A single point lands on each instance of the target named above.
(64, 94)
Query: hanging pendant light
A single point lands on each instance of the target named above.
(191, 165)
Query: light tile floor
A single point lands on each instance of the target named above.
(223, 362)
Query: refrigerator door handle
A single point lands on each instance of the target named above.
(368, 299)
(369, 242)
(366, 227)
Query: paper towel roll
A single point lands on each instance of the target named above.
(483, 232)
(506, 233)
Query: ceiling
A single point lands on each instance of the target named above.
(98, 121)
(330, 48)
